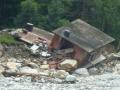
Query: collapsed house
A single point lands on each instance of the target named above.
(35, 37)
(87, 42)
(78, 40)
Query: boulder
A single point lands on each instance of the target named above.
(68, 65)
(12, 69)
(61, 74)
(93, 71)
(46, 66)
(28, 70)
(70, 78)
(81, 72)
(11, 65)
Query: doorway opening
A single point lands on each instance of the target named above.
(64, 44)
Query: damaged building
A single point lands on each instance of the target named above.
(78, 40)
(88, 43)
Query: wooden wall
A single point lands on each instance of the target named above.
(79, 54)
(55, 42)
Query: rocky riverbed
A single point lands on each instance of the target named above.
(98, 82)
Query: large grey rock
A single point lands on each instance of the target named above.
(70, 78)
(81, 72)
(93, 71)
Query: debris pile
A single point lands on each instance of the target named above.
(37, 61)
(66, 58)
(65, 70)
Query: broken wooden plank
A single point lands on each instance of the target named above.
(65, 51)
(96, 61)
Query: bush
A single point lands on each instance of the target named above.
(6, 38)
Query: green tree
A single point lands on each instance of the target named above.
(58, 13)
(29, 13)
(8, 11)
(105, 15)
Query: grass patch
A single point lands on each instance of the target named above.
(6, 38)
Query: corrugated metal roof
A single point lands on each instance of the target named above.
(84, 35)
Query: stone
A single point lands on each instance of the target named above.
(33, 65)
(46, 72)
(93, 71)
(10, 72)
(2, 69)
(70, 78)
(44, 62)
(11, 65)
(12, 69)
(61, 74)
(81, 72)
(117, 69)
(68, 65)
(46, 66)
(28, 70)
(19, 65)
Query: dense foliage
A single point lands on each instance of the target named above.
(50, 14)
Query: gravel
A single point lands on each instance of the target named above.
(98, 82)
